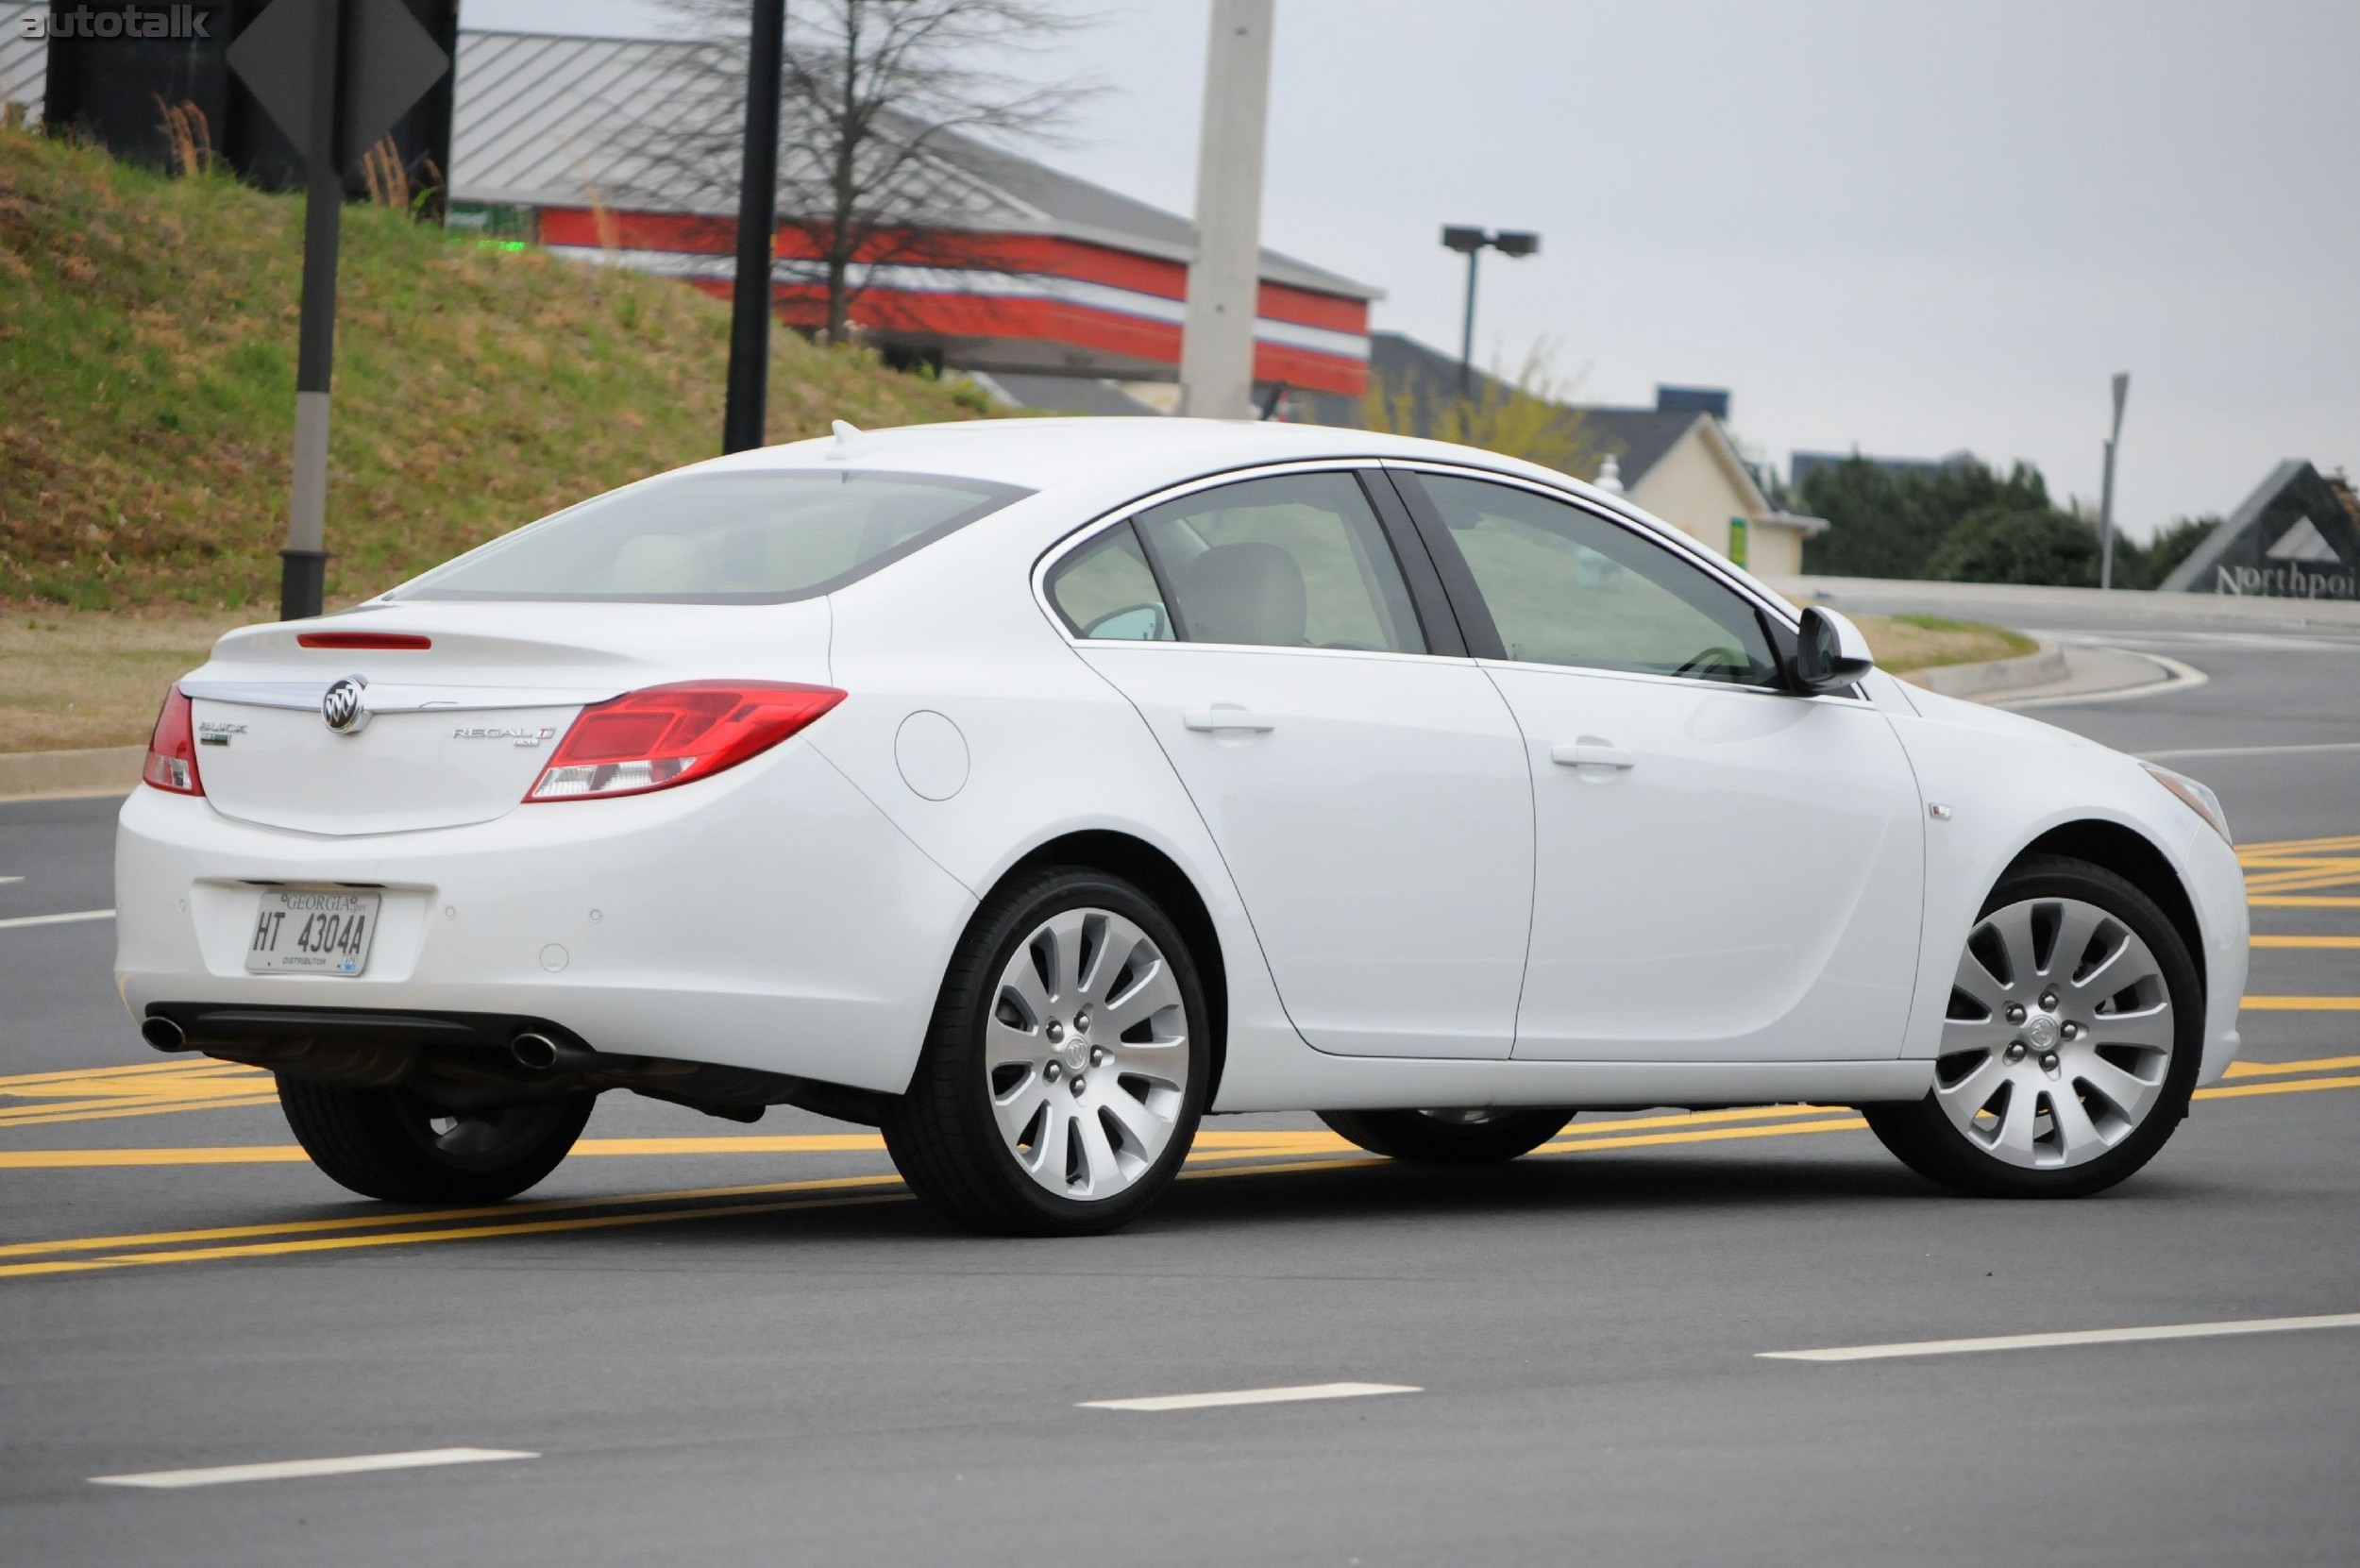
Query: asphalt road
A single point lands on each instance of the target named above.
(757, 1349)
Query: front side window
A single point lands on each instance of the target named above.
(1293, 561)
(1565, 586)
(737, 538)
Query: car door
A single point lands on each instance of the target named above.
(1724, 870)
(1362, 777)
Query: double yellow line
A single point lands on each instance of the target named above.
(2289, 873)
(1216, 1154)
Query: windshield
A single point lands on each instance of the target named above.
(743, 538)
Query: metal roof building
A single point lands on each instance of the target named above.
(1027, 271)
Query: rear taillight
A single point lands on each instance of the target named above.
(172, 750)
(675, 734)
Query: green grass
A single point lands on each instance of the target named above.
(147, 333)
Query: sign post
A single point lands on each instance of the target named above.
(743, 415)
(335, 75)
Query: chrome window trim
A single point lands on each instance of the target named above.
(1080, 538)
(1632, 520)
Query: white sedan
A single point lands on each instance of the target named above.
(1030, 789)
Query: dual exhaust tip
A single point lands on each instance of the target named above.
(538, 1053)
(164, 1034)
(533, 1052)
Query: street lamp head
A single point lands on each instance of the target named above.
(1516, 243)
(1464, 240)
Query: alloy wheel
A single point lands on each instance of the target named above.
(1086, 1054)
(2059, 1033)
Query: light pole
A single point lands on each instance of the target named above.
(2106, 495)
(1471, 243)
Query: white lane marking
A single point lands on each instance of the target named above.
(2079, 1337)
(280, 1470)
(11, 879)
(1249, 1396)
(2251, 750)
(58, 919)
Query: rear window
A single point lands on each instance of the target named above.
(743, 538)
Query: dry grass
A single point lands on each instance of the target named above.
(1907, 643)
(71, 679)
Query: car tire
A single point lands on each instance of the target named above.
(389, 1143)
(1449, 1137)
(1067, 1065)
(2053, 1080)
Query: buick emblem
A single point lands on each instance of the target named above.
(341, 708)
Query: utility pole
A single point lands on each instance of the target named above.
(1471, 242)
(1217, 343)
(743, 420)
(2106, 495)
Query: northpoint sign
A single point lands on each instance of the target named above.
(2295, 537)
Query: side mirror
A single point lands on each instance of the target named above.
(1830, 653)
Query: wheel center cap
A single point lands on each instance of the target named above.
(2041, 1033)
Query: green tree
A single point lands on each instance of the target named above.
(1883, 524)
(2138, 565)
(2032, 545)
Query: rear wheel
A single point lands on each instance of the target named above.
(2070, 1046)
(388, 1143)
(1067, 1065)
(1449, 1137)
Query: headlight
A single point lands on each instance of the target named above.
(2196, 797)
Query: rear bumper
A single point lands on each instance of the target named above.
(769, 918)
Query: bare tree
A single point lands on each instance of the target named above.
(873, 94)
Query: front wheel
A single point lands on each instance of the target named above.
(389, 1143)
(1449, 1137)
(1067, 1065)
(2070, 1046)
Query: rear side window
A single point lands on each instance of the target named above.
(743, 538)
(1105, 590)
(1293, 561)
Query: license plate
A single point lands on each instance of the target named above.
(304, 930)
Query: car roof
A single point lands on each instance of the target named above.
(1047, 454)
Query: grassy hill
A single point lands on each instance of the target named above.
(147, 344)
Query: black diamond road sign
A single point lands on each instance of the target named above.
(389, 63)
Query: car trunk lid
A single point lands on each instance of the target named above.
(457, 731)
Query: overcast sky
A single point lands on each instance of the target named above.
(1902, 226)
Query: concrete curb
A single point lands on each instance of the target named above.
(2003, 602)
(104, 771)
(2044, 667)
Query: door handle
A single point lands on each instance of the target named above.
(1592, 753)
(1220, 717)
